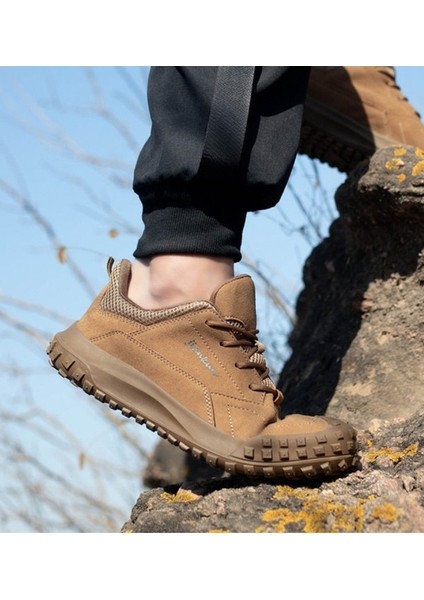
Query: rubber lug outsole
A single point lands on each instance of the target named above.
(69, 367)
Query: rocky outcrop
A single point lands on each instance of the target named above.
(386, 494)
(358, 341)
(357, 353)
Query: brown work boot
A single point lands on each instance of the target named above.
(195, 374)
(350, 112)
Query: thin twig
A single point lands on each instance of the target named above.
(272, 292)
(36, 308)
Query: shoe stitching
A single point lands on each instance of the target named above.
(173, 367)
(236, 399)
(221, 364)
(257, 420)
(230, 419)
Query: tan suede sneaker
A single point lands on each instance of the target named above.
(350, 112)
(195, 374)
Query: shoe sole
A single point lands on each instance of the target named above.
(113, 382)
(333, 138)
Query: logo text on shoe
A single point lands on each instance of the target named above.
(204, 359)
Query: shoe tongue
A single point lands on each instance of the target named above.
(235, 300)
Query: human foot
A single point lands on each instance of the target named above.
(172, 279)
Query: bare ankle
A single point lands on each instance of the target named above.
(172, 279)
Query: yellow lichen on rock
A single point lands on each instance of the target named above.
(285, 491)
(394, 455)
(385, 512)
(399, 151)
(394, 163)
(419, 153)
(401, 177)
(419, 168)
(318, 514)
(180, 496)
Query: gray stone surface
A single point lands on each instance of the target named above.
(358, 341)
(385, 494)
(357, 353)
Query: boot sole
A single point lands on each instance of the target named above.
(333, 138)
(121, 387)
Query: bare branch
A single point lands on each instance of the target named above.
(275, 295)
(110, 117)
(313, 226)
(47, 227)
(106, 213)
(36, 308)
(136, 90)
(39, 336)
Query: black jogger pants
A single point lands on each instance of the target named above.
(223, 142)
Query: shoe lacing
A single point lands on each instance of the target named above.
(248, 341)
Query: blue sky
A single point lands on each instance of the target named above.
(48, 120)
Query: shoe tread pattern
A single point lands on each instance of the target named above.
(311, 460)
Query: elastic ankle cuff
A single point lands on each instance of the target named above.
(185, 229)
